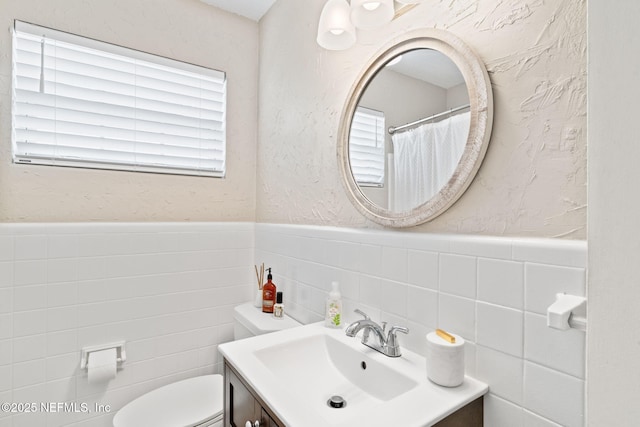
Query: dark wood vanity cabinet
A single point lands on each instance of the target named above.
(241, 405)
(470, 415)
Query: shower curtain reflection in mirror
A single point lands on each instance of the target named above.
(425, 159)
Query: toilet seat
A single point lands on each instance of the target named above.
(194, 402)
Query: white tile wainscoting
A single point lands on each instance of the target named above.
(493, 291)
(168, 289)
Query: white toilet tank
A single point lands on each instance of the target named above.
(249, 321)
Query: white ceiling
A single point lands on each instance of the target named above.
(252, 9)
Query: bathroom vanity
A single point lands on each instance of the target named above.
(288, 378)
(242, 404)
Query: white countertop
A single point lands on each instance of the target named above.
(423, 404)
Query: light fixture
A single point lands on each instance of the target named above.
(335, 30)
(371, 14)
(338, 20)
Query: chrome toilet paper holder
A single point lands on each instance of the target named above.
(121, 355)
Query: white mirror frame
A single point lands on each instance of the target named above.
(480, 99)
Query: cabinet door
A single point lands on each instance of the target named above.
(267, 421)
(240, 405)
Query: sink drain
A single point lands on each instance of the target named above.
(336, 402)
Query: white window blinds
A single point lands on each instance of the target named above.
(80, 102)
(366, 147)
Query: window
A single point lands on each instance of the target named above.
(366, 147)
(84, 103)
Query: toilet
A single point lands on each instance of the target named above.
(197, 401)
(192, 402)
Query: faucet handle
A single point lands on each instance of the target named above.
(392, 347)
(384, 326)
(362, 313)
(391, 337)
(395, 329)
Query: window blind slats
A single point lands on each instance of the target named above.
(366, 147)
(205, 149)
(100, 114)
(81, 123)
(363, 145)
(51, 154)
(75, 132)
(28, 92)
(74, 56)
(124, 160)
(80, 104)
(87, 87)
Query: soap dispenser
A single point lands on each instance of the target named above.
(268, 294)
(333, 314)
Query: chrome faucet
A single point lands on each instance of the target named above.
(386, 345)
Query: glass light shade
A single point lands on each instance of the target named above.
(370, 14)
(335, 30)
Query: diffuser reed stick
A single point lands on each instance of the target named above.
(260, 276)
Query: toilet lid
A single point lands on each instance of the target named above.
(184, 403)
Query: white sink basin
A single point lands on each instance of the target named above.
(296, 371)
(324, 366)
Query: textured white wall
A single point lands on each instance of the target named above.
(533, 180)
(613, 357)
(186, 30)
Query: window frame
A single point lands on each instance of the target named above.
(378, 129)
(163, 142)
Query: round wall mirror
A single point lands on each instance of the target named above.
(415, 128)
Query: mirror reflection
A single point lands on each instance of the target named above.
(409, 130)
